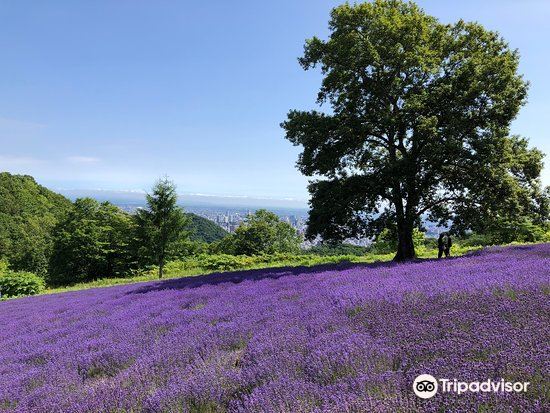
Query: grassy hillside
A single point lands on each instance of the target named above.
(343, 338)
(204, 230)
(211, 263)
(28, 213)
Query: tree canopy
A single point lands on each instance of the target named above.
(28, 214)
(92, 242)
(203, 230)
(262, 233)
(418, 126)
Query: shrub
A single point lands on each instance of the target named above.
(261, 233)
(430, 243)
(4, 265)
(225, 262)
(386, 241)
(14, 284)
(475, 239)
(337, 249)
(222, 262)
(519, 230)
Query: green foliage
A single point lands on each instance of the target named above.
(187, 248)
(221, 262)
(418, 123)
(15, 284)
(225, 262)
(475, 239)
(28, 214)
(517, 230)
(4, 266)
(161, 226)
(505, 232)
(386, 241)
(92, 242)
(429, 244)
(328, 249)
(203, 230)
(262, 233)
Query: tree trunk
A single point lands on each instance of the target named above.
(161, 268)
(161, 258)
(405, 244)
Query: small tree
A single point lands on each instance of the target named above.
(262, 233)
(162, 225)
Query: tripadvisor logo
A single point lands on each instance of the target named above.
(426, 386)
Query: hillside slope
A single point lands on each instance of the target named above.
(28, 213)
(204, 230)
(352, 338)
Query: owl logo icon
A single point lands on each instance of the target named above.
(425, 386)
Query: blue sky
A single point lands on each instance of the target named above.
(112, 94)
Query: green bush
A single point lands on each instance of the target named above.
(475, 240)
(337, 249)
(430, 243)
(4, 265)
(508, 233)
(222, 262)
(261, 233)
(225, 262)
(386, 242)
(518, 230)
(15, 284)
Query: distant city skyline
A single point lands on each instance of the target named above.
(113, 95)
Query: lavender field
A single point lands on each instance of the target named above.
(338, 339)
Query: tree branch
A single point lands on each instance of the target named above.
(433, 204)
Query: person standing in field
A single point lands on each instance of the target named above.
(444, 244)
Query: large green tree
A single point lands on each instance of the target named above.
(162, 226)
(418, 124)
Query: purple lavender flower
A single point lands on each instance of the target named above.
(348, 339)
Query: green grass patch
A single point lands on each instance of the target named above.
(207, 264)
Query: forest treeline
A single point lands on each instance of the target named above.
(44, 235)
